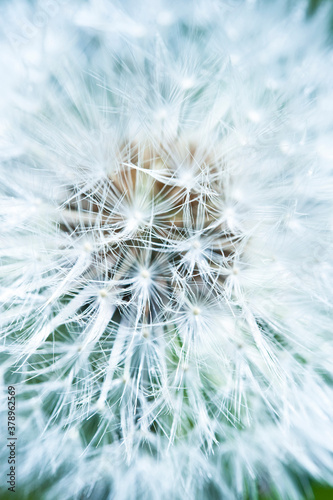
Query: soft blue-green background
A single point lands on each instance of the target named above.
(320, 493)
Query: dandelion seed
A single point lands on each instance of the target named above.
(196, 311)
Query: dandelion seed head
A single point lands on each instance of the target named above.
(196, 311)
(145, 274)
(166, 261)
(87, 247)
(188, 83)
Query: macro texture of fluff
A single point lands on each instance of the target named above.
(166, 248)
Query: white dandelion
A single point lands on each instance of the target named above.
(166, 253)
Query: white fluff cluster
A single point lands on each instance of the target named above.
(166, 248)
